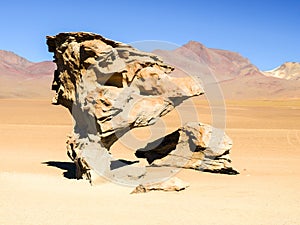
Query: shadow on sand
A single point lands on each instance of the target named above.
(69, 167)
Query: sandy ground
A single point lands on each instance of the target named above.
(266, 151)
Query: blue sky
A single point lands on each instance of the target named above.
(265, 32)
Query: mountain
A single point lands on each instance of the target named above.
(223, 64)
(288, 71)
(21, 78)
(235, 74)
(12, 64)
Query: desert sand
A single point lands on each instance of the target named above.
(38, 185)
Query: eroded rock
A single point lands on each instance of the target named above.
(172, 184)
(194, 146)
(109, 88)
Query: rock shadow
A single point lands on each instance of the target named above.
(159, 148)
(120, 163)
(69, 167)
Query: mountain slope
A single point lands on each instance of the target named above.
(223, 64)
(20, 78)
(11, 61)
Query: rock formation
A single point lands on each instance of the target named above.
(173, 184)
(196, 141)
(109, 88)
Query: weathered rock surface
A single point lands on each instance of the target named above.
(109, 88)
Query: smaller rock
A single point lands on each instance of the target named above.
(173, 184)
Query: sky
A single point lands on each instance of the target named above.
(266, 32)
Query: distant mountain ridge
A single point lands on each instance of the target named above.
(8, 59)
(12, 64)
(224, 64)
(288, 71)
(20, 78)
(236, 75)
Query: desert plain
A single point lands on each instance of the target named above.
(38, 185)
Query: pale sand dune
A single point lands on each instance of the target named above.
(266, 151)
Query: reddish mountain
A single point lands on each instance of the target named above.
(237, 77)
(12, 64)
(223, 64)
(21, 78)
(11, 61)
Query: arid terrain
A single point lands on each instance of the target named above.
(38, 185)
